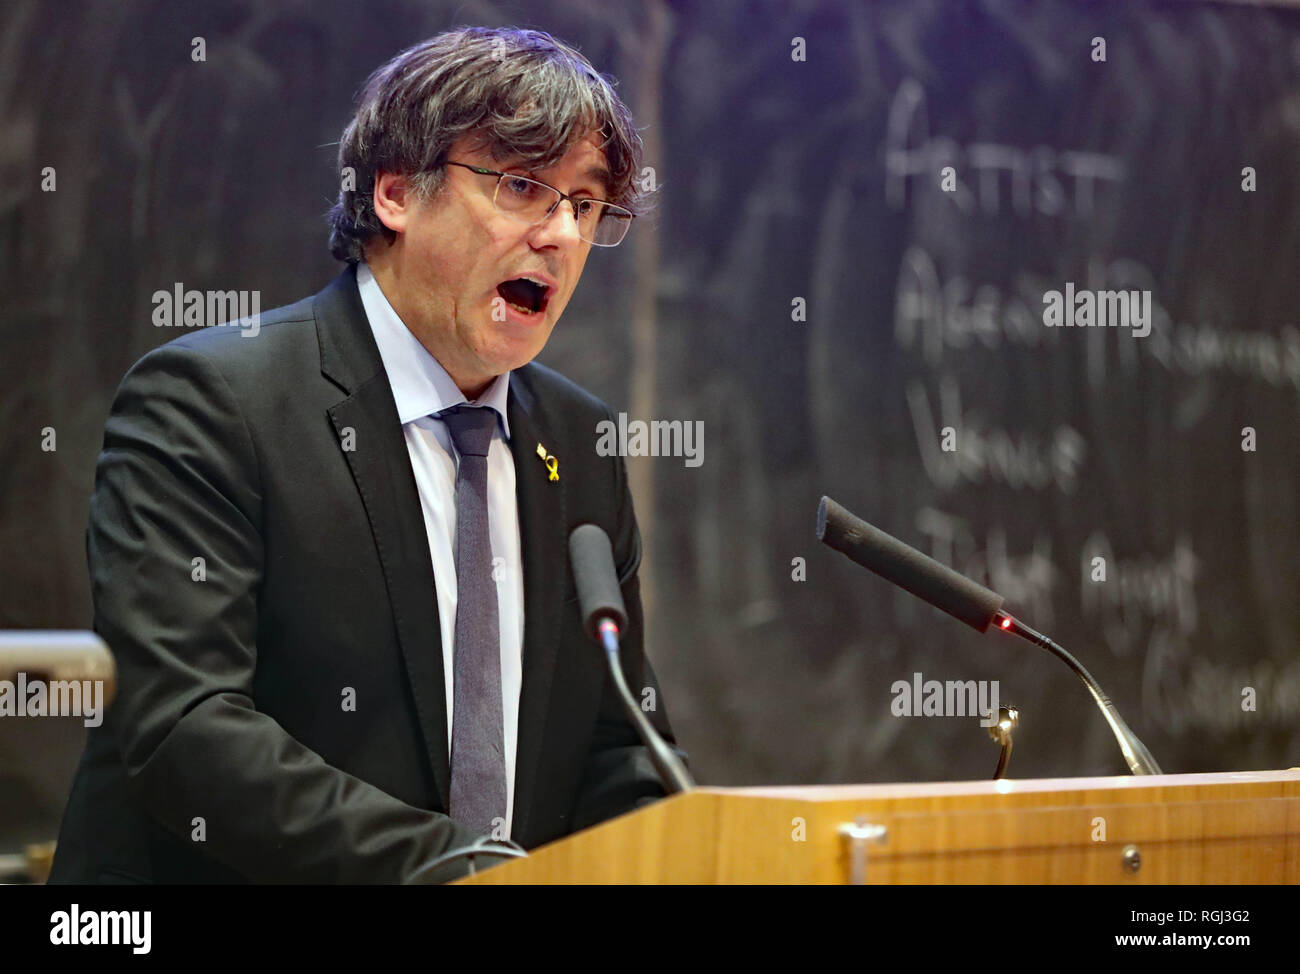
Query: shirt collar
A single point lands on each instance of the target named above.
(421, 386)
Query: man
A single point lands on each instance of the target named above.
(331, 556)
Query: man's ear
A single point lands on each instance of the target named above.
(393, 199)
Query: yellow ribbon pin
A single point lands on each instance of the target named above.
(552, 464)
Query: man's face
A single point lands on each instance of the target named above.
(454, 252)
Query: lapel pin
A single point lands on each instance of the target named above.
(552, 464)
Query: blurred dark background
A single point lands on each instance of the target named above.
(780, 179)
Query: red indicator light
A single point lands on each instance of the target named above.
(1006, 623)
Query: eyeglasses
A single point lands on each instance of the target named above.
(529, 201)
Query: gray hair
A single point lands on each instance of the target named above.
(526, 94)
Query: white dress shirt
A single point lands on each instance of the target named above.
(421, 386)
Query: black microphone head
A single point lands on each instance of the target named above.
(599, 596)
(906, 567)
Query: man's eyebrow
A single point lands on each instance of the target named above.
(597, 174)
(601, 175)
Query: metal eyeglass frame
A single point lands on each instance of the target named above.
(560, 198)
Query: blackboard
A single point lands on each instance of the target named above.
(924, 310)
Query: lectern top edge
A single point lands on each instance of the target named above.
(1004, 786)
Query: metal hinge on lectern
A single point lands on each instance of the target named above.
(857, 834)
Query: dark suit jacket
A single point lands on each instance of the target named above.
(227, 755)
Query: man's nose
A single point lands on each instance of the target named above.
(561, 226)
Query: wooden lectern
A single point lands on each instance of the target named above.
(1241, 827)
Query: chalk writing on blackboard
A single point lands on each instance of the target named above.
(1041, 180)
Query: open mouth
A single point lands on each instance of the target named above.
(525, 295)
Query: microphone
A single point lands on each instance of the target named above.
(599, 595)
(604, 618)
(963, 598)
(906, 567)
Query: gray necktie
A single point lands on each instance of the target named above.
(478, 760)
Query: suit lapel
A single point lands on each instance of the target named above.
(381, 466)
(545, 552)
